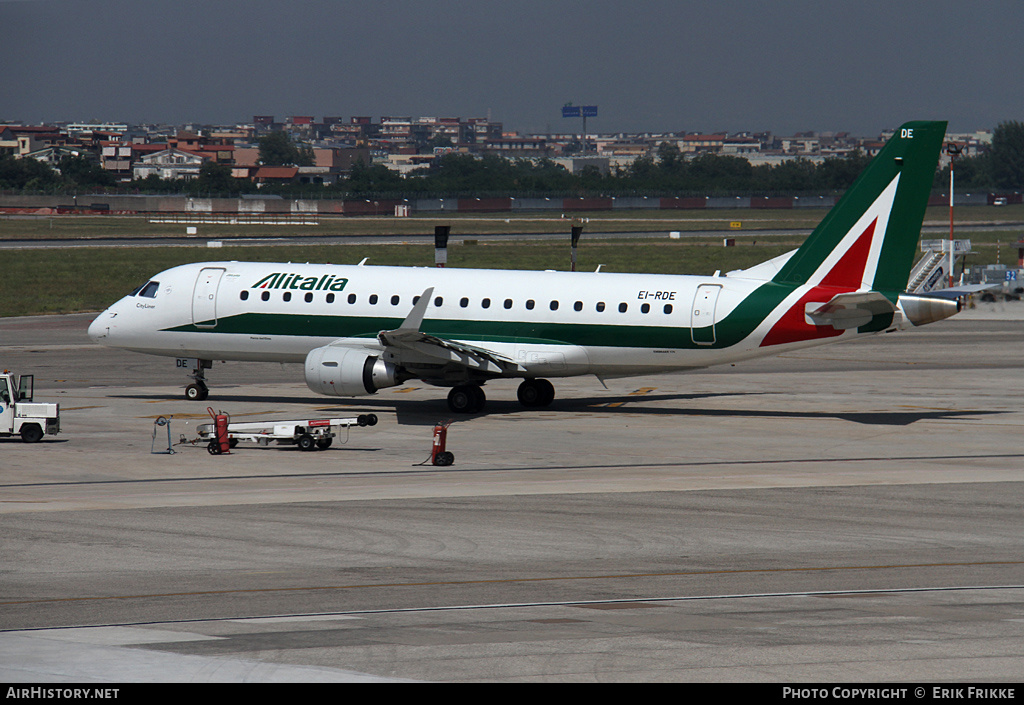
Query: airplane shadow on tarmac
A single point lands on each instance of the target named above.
(427, 412)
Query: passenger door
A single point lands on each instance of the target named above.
(702, 314)
(204, 299)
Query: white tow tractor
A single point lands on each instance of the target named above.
(307, 434)
(20, 415)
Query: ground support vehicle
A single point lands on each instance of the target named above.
(307, 434)
(20, 415)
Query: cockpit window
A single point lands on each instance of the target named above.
(149, 290)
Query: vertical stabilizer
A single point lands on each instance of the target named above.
(867, 241)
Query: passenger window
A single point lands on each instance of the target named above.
(463, 302)
(508, 303)
(645, 308)
(578, 306)
(668, 308)
(373, 299)
(529, 305)
(287, 296)
(265, 296)
(330, 298)
(554, 305)
(415, 300)
(244, 295)
(149, 291)
(486, 303)
(623, 307)
(395, 300)
(351, 298)
(438, 300)
(600, 306)
(309, 297)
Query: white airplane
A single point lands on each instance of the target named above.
(358, 329)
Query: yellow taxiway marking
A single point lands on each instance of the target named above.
(635, 393)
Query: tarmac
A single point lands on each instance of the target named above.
(848, 513)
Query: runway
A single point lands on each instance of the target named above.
(849, 513)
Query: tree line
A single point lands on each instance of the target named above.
(999, 168)
(667, 172)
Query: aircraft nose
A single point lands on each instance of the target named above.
(99, 329)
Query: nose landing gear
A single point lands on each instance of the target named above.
(197, 391)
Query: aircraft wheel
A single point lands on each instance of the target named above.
(528, 392)
(196, 392)
(479, 399)
(466, 399)
(535, 392)
(547, 392)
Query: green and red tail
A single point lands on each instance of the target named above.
(867, 241)
(851, 270)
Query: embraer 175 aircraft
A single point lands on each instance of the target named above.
(358, 328)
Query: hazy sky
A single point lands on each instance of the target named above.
(650, 65)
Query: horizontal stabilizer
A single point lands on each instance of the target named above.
(850, 310)
(955, 292)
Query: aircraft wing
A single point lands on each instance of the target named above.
(849, 310)
(408, 338)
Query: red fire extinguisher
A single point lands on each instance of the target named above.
(438, 455)
(220, 443)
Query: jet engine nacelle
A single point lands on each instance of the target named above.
(347, 372)
(920, 310)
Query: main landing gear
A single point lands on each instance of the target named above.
(470, 399)
(536, 392)
(466, 399)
